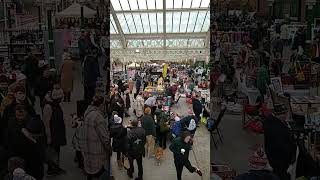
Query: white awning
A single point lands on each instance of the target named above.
(75, 11)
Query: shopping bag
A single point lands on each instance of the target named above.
(300, 75)
(203, 120)
(126, 163)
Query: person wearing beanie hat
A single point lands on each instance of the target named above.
(118, 134)
(95, 140)
(180, 148)
(136, 140)
(55, 128)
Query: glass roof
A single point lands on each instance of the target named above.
(147, 16)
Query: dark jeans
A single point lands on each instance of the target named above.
(281, 172)
(163, 139)
(67, 96)
(79, 159)
(89, 92)
(54, 163)
(97, 175)
(179, 169)
(139, 163)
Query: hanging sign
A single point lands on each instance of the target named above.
(165, 70)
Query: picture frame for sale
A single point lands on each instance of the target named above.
(277, 84)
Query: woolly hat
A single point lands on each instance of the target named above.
(57, 94)
(258, 160)
(20, 77)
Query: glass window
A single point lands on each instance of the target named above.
(184, 21)
(133, 4)
(160, 22)
(196, 43)
(177, 4)
(116, 5)
(192, 21)
(151, 4)
(169, 4)
(196, 3)
(142, 4)
(205, 3)
(176, 22)
(137, 20)
(145, 22)
(200, 21)
(187, 3)
(159, 4)
(169, 22)
(115, 44)
(153, 22)
(206, 24)
(131, 23)
(123, 23)
(124, 5)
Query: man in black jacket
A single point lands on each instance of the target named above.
(136, 141)
(279, 144)
(91, 73)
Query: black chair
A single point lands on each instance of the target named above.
(215, 129)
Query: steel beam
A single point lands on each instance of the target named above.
(120, 31)
(161, 10)
(201, 35)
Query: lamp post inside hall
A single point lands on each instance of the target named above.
(270, 6)
(81, 12)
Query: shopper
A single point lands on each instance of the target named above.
(138, 85)
(127, 102)
(67, 76)
(139, 105)
(95, 140)
(55, 128)
(19, 141)
(148, 124)
(45, 85)
(136, 148)
(91, 73)
(83, 45)
(280, 147)
(117, 104)
(130, 84)
(181, 147)
(118, 134)
(197, 107)
(163, 127)
(32, 71)
(151, 103)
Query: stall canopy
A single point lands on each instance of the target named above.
(75, 11)
(133, 65)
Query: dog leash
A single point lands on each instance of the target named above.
(195, 158)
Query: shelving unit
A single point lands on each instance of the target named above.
(23, 40)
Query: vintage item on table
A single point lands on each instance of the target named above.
(277, 84)
(223, 171)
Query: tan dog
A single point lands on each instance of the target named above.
(159, 155)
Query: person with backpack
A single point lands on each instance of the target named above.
(136, 148)
(148, 124)
(118, 134)
(163, 127)
(55, 128)
(180, 148)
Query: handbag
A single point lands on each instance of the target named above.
(126, 163)
(300, 75)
